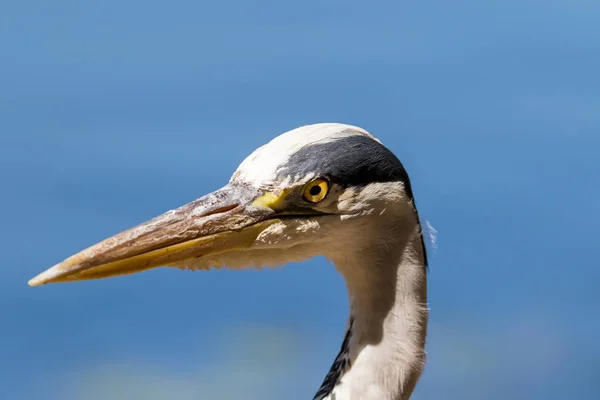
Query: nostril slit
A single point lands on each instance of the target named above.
(219, 210)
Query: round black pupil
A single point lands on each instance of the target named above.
(315, 190)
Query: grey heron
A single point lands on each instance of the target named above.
(327, 189)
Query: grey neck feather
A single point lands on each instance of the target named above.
(383, 352)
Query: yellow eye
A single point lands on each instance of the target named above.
(316, 190)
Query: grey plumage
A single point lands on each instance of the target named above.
(323, 189)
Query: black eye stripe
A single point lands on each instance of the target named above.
(354, 160)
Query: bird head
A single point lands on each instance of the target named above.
(316, 190)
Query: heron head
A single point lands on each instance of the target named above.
(317, 190)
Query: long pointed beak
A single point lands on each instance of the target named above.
(224, 220)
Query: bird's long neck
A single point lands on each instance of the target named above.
(383, 354)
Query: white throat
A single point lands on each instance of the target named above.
(383, 354)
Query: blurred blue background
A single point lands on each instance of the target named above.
(112, 112)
